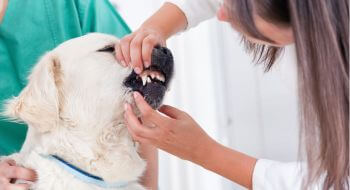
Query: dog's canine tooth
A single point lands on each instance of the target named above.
(160, 78)
(147, 75)
(144, 79)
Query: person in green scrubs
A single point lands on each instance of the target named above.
(28, 29)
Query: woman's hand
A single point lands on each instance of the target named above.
(135, 49)
(9, 171)
(177, 133)
(174, 132)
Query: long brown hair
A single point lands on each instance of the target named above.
(321, 33)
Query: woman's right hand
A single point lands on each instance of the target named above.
(135, 49)
(10, 171)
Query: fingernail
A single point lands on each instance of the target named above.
(147, 64)
(136, 95)
(137, 70)
(123, 63)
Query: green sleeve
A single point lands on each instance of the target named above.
(101, 16)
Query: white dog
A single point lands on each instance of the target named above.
(73, 105)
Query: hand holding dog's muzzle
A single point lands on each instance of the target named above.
(135, 49)
(10, 171)
(173, 131)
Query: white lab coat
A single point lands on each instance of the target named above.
(268, 174)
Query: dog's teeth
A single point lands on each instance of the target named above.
(144, 79)
(160, 78)
(149, 80)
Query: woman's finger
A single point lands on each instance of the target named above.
(172, 112)
(147, 47)
(136, 52)
(125, 48)
(119, 55)
(17, 172)
(137, 129)
(147, 112)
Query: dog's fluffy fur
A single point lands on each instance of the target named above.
(73, 105)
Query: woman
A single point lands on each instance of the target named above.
(320, 31)
(28, 29)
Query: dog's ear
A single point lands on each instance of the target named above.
(38, 103)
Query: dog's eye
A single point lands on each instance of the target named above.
(109, 49)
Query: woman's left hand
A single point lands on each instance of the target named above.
(174, 132)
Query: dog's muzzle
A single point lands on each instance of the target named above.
(153, 82)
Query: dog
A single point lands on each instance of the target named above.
(73, 105)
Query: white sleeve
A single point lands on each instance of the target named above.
(274, 175)
(197, 11)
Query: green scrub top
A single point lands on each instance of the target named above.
(32, 27)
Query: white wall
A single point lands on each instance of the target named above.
(231, 98)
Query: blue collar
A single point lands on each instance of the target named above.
(85, 176)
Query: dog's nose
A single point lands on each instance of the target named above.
(161, 51)
(161, 55)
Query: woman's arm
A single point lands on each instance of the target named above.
(231, 164)
(150, 177)
(174, 16)
(168, 20)
(175, 132)
(228, 163)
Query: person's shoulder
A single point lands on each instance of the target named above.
(100, 16)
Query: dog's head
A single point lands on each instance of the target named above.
(80, 81)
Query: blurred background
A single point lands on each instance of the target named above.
(232, 99)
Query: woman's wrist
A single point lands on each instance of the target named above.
(234, 165)
(155, 30)
(168, 20)
(205, 150)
